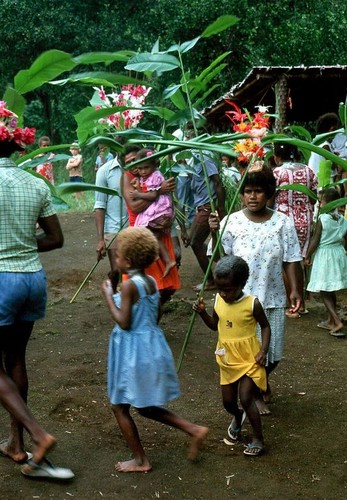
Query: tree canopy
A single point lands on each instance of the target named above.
(280, 32)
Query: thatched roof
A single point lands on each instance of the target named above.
(310, 91)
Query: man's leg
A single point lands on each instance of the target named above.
(15, 343)
(13, 397)
(199, 233)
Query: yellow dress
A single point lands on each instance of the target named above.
(237, 342)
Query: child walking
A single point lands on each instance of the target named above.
(141, 370)
(329, 268)
(267, 241)
(159, 215)
(239, 354)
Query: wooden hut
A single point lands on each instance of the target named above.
(296, 94)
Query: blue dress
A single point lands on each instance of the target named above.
(141, 368)
(329, 268)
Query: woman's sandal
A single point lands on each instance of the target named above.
(233, 433)
(254, 450)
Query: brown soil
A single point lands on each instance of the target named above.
(305, 435)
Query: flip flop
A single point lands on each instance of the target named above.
(233, 433)
(338, 333)
(46, 470)
(3, 453)
(254, 450)
(323, 325)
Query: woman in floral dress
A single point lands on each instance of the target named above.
(298, 206)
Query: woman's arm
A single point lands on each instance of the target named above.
(293, 273)
(138, 206)
(148, 196)
(260, 316)
(121, 315)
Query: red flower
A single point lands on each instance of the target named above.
(4, 133)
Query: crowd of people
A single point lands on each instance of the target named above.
(262, 251)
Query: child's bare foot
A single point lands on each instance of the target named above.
(168, 267)
(262, 408)
(197, 438)
(133, 466)
(17, 455)
(43, 447)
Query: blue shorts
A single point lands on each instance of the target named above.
(23, 297)
(76, 178)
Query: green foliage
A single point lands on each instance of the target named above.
(286, 33)
(46, 67)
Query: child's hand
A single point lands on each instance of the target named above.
(199, 305)
(107, 288)
(135, 183)
(133, 195)
(261, 358)
(308, 261)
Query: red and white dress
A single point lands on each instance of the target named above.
(295, 204)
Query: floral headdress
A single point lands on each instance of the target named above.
(9, 130)
(255, 126)
(132, 96)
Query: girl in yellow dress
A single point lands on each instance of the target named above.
(239, 354)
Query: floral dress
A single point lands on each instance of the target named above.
(295, 204)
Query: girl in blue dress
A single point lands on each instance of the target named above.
(141, 369)
(329, 268)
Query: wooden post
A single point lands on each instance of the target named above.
(281, 89)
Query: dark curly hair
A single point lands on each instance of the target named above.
(146, 153)
(263, 178)
(139, 245)
(232, 267)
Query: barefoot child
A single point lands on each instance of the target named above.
(159, 215)
(141, 370)
(329, 268)
(240, 356)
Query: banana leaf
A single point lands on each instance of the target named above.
(301, 188)
(76, 187)
(47, 66)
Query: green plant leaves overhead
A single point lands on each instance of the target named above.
(301, 188)
(76, 187)
(341, 202)
(47, 66)
(221, 24)
(103, 57)
(15, 102)
(185, 46)
(152, 62)
(98, 78)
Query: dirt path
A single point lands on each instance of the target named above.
(305, 435)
